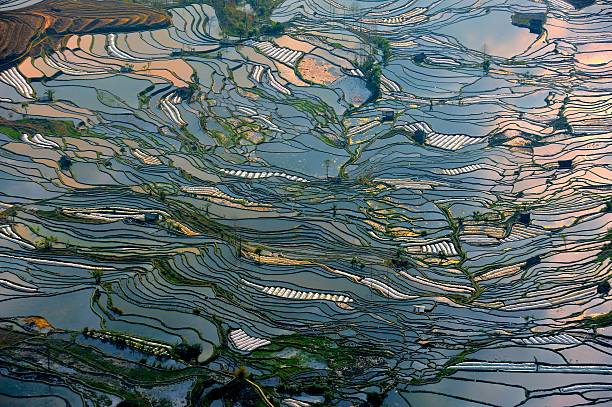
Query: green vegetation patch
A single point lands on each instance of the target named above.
(14, 129)
(318, 110)
(11, 132)
(249, 18)
(383, 46)
(90, 366)
(606, 250)
(372, 73)
(599, 321)
(291, 358)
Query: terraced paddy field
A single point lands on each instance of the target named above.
(30, 27)
(399, 203)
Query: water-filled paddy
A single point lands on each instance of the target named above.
(443, 241)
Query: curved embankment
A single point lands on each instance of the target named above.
(44, 24)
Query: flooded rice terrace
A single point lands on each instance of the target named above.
(391, 203)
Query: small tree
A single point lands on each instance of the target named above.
(419, 58)
(486, 65)
(603, 288)
(193, 88)
(561, 122)
(384, 47)
(372, 73)
(97, 276)
(374, 400)
(241, 372)
(398, 253)
(419, 136)
(187, 352)
(65, 162)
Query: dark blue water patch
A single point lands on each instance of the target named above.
(59, 310)
(18, 393)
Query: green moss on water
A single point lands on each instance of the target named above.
(316, 109)
(11, 132)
